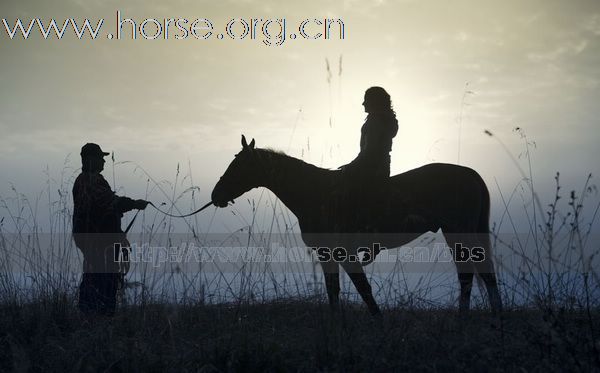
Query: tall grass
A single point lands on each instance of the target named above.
(548, 273)
(556, 250)
(550, 261)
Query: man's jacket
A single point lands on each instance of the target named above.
(97, 217)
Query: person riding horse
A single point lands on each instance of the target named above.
(443, 196)
(367, 175)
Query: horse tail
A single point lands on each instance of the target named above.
(485, 269)
(483, 226)
(483, 231)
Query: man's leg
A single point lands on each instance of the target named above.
(86, 294)
(107, 295)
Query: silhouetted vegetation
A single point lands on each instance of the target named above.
(550, 287)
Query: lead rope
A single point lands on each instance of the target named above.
(166, 213)
(121, 282)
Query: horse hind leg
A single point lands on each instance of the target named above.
(468, 265)
(465, 271)
(481, 262)
(465, 279)
(485, 270)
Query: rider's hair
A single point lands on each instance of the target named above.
(379, 99)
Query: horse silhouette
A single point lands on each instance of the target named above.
(446, 196)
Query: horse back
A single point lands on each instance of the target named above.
(457, 193)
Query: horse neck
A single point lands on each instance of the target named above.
(288, 178)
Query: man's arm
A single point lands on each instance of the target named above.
(124, 204)
(107, 200)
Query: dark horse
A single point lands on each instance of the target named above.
(428, 198)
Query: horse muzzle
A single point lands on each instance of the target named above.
(219, 198)
(220, 204)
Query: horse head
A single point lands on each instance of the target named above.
(240, 176)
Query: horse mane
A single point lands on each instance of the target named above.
(270, 152)
(273, 151)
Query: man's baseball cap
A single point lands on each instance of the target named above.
(92, 150)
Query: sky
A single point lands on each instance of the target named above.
(453, 70)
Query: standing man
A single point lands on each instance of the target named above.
(97, 229)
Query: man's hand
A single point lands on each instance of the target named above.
(140, 204)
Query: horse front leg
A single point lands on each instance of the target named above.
(359, 279)
(331, 271)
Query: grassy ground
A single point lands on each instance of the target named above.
(551, 262)
(293, 335)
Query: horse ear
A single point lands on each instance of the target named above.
(252, 143)
(244, 143)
